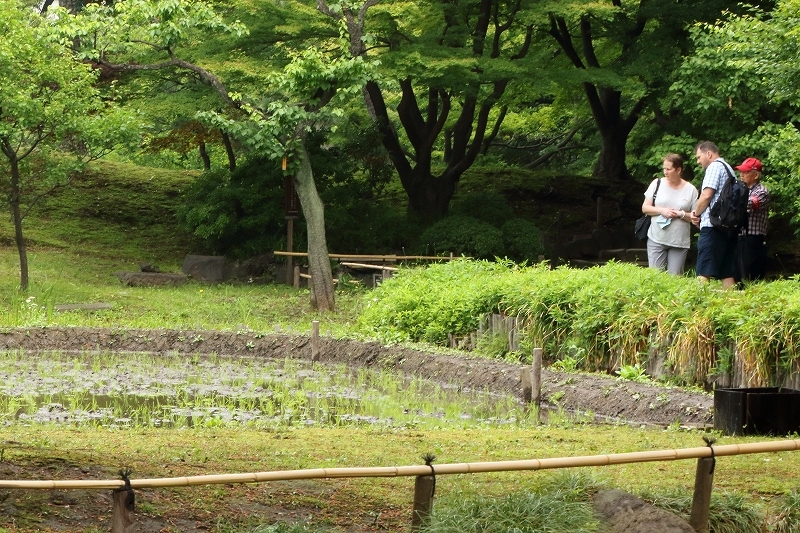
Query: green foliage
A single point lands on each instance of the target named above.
(523, 240)
(52, 118)
(239, 214)
(633, 372)
(729, 513)
(610, 315)
(461, 234)
(563, 504)
(490, 207)
(428, 303)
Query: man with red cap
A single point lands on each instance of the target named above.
(751, 252)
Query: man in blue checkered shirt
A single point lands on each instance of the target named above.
(751, 253)
(716, 248)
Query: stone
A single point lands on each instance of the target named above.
(625, 513)
(205, 268)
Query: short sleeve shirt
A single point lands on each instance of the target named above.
(714, 179)
(677, 233)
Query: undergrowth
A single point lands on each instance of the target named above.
(613, 315)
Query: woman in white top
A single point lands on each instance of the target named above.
(670, 224)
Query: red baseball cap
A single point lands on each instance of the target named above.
(751, 163)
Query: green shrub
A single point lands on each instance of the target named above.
(611, 315)
(240, 213)
(462, 235)
(523, 240)
(489, 206)
(428, 303)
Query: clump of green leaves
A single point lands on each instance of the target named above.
(613, 315)
(632, 372)
(562, 504)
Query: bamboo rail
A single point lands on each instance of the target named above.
(365, 265)
(367, 257)
(419, 470)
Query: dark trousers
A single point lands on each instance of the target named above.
(751, 257)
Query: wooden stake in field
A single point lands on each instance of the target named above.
(315, 340)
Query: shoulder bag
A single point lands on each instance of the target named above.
(643, 223)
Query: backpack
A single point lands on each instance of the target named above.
(730, 210)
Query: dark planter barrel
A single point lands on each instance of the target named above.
(757, 411)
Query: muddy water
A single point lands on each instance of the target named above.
(138, 389)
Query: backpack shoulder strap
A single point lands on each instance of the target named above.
(727, 169)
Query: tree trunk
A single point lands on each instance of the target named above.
(321, 282)
(16, 216)
(204, 156)
(429, 196)
(611, 162)
(226, 140)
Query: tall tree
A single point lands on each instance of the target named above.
(625, 53)
(274, 118)
(452, 63)
(52, 119)
(740, 86)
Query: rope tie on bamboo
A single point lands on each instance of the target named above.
(130, 499)
(710, 443)
(429, 459)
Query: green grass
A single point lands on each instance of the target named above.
(80, 237)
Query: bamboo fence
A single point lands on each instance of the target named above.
(425, 482)
(419, 470)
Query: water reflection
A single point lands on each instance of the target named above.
(124, 389)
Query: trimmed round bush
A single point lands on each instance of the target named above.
(523, 240)
(463, 235)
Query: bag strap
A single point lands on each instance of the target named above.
(728, 170)
(655, 193)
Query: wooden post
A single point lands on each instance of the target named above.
(289, 244)
(525, 377)
(296, 283)
(536, 377)
(121, 520)
(315, 340)
(701, 501)
(423, 501)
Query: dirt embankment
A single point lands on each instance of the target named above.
(604, 397)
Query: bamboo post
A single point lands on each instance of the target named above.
(296, 283)
(315, 340)
(701, 501)
(536, 377)
(121, 520)
(423, 501)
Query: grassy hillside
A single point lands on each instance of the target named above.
(115, 211)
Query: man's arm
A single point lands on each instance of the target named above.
(702, 204)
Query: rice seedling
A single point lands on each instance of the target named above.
(93, 388)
